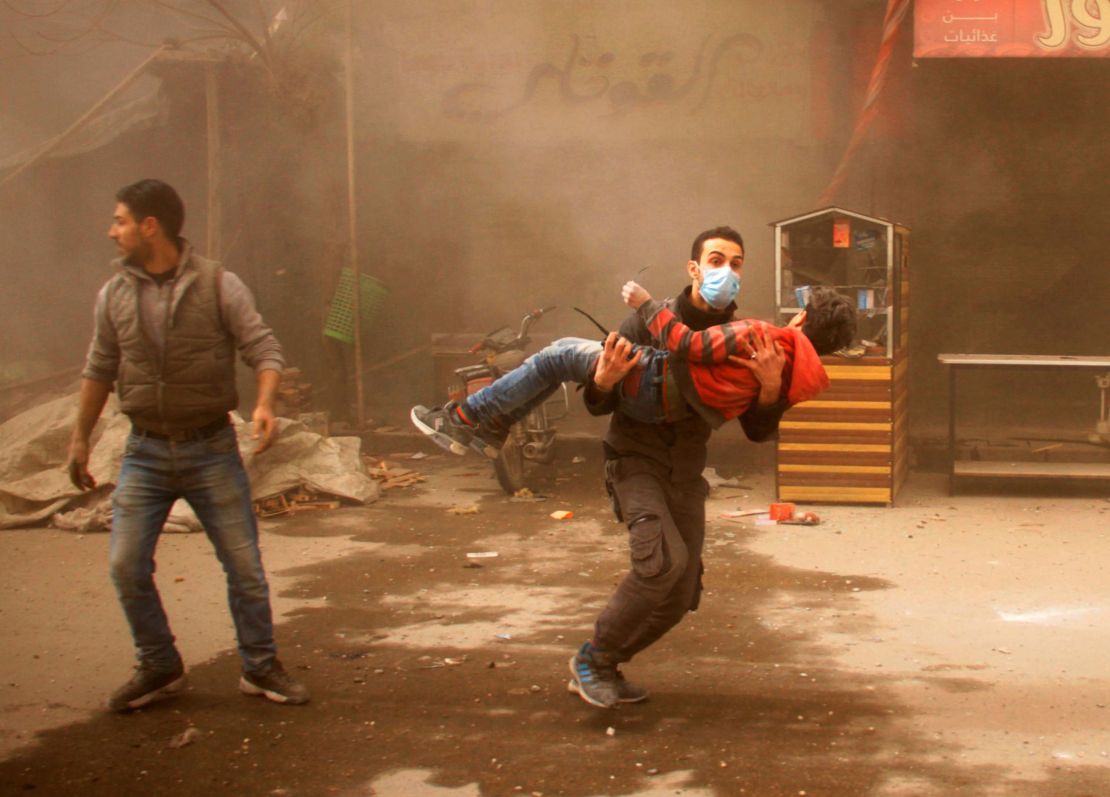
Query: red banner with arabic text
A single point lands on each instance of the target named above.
(1011, 28)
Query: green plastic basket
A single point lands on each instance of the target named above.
(340, 323)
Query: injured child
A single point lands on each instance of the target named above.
(684, 371)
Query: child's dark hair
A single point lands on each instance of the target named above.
(830, 321)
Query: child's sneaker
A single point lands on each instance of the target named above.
(444, 426)
(487, 442)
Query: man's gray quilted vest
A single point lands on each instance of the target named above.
(193, 382)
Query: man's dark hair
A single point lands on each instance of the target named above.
(157, 199)
(830, 321)
(727, 233)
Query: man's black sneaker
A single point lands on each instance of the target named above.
(274, 684)
(595, 677)
(146, 686)
(627, 692)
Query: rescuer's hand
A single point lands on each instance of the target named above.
(615, 361)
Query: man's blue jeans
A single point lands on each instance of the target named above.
(566, 360)
(209, 475)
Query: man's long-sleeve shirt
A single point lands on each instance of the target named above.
(258, 347)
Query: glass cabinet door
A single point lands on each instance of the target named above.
(850, 254)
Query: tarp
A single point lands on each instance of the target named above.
(34, 485)
(142, 113)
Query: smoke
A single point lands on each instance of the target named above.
(511, 156)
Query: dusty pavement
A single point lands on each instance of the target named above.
(948, 646)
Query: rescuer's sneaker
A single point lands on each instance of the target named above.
(595, 677)
(146, 686)
(448, 430)
(627, 692)
(274, 684)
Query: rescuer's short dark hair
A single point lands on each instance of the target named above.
(726, 233)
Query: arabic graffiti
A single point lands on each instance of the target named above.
(583, 78)
(1094, 25)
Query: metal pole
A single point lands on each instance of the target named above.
(212, 103)
(352, 226)
(952, 369)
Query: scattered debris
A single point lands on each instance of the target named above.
(271, 507)
(715, 480)
(739, 513)
(390, 474)
(297, 499)
(182, 519)
(803, 519)
(578, 460)
(188, 736)
(464, 510)
(430, 663)
(562, 514)
(36, 488)
(781, 511)
(610, 731)
(316, 422)
(96, 518)
(481, 554)
(524, 495)
(294, 396)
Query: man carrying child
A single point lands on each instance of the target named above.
(674, 373)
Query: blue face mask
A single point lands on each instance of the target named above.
(719, 286)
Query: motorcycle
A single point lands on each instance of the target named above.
(533, 438)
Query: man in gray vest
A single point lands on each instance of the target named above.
(168, 324)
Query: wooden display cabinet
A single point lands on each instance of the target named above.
(849, 445)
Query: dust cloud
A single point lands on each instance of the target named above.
(510, 156)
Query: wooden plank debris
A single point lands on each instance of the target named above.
(391, 475)
(297, 499)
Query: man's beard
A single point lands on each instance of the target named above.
(139, 254)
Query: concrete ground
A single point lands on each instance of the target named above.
(946, 646)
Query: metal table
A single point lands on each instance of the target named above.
(1016, 470)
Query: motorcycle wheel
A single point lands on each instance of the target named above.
(541, 444)
(509, 466)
